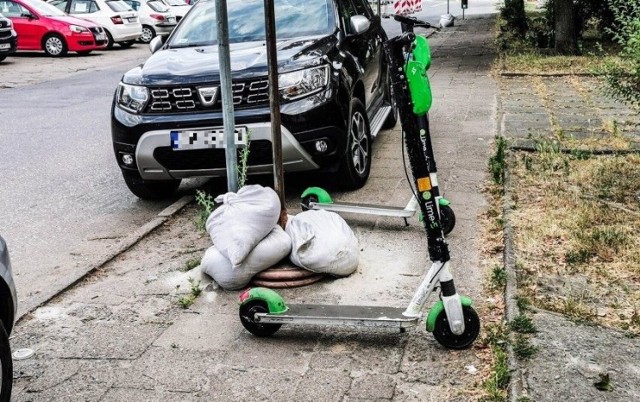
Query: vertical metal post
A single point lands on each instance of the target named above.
(447, 7)
(224, 60)
(274, 96)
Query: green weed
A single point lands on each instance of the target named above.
(523, 348)
(498, 277)
(206, 203)
(498, 161)
(523, 325)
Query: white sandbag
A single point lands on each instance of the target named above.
(323, 242)
(243, 219)
(267, 253)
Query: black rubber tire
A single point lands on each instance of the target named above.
(350, 176)
(126, 44)
(63, 51)
(110, 41)
(306, 200)
(247, 312)
(6, 366)
(446, 338)
(2, 58)
(392, 119)
(150, 189)
(447, 219)
(152, 34)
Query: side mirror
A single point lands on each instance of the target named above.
(27, 14)
(156, 43)
(359, 24)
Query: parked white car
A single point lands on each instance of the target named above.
(178, 7)
(155, 16)
(118, 19)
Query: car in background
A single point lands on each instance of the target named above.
(8, 38)
(178, 7)
(119, 21)
(334, 88)
(8, 311)
(41, 26)
(155, 16)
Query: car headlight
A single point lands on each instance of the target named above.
(132, 97)
(78, 29)
(297, 84)
(10, 23)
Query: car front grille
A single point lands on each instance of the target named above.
(5, 33)
(96, 30)
(183, 99)
(214, 158)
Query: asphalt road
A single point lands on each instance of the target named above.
(63, 203)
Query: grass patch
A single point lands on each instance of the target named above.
(576, 234)
(495, 386)
(523, 324)
(497, 162)
(523, 348)
(190, 264)
(498, 277)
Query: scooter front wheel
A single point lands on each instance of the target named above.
(247, 314)
(447, 219)
(448, 339)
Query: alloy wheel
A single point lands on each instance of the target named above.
(147, 35)
(54, 45)
(359, 143)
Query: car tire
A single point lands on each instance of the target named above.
(6, 365)
(392, 119)
(110, 41)
(127, 44)
(2, 58)
(54, 45)
(148, 33)
(355, 165)
(150, 189)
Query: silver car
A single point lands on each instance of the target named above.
(8, 309)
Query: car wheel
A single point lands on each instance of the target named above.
(54, 45)
(109, 40)
(356, 162)
(127, 44)
(2, 58)
(6, 365)
(148, 33)
(150, 189)
(390, 98)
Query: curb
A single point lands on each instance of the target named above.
(126, 243)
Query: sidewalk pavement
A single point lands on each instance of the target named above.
(120, 335)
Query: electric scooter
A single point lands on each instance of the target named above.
(452, 319)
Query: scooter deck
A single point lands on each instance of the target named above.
(318, 314)
(369, 209)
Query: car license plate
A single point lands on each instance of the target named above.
(101, 36)
(5, 45)
(132, 19)
(202, 139)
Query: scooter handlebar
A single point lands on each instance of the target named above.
(411, 21)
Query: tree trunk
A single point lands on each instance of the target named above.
(565, 27)
(514, 13)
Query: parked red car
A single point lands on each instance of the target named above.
(41, 26)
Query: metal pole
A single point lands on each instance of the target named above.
(224, 60)
(274, 96)
(447, 7)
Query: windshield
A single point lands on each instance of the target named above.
(175, 2)
(158, 6)
(118, 5)
(294, 18)
(44, 9)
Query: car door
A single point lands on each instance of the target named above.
(366, 47)
(28, 29)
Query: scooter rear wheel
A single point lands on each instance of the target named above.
(448, 339)
(247, 313)
(308, 200)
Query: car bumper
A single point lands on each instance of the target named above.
(147, 138)
(84, 42)
(126, 32)
(164, 29)
(8, 42)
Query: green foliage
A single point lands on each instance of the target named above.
(513, 13)
(523, 324)
(243, 162)
(206, 203)
(523, 348)
(623, 76)
(496, 385)
(604, 384)
(498, 160)
(498, 277)
(194, 291)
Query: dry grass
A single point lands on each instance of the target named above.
(535, 63)
(576, 234)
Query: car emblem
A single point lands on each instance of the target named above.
(208, 95)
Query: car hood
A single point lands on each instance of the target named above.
(248, 59)
(67, 19)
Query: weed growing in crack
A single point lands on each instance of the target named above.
(206, 203)
(523, 348)
(191, 264)
(523, 325)
(497, 162)
(194, 291)
(523, 302)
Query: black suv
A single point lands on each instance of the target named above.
(334, 91)
(8, 38)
